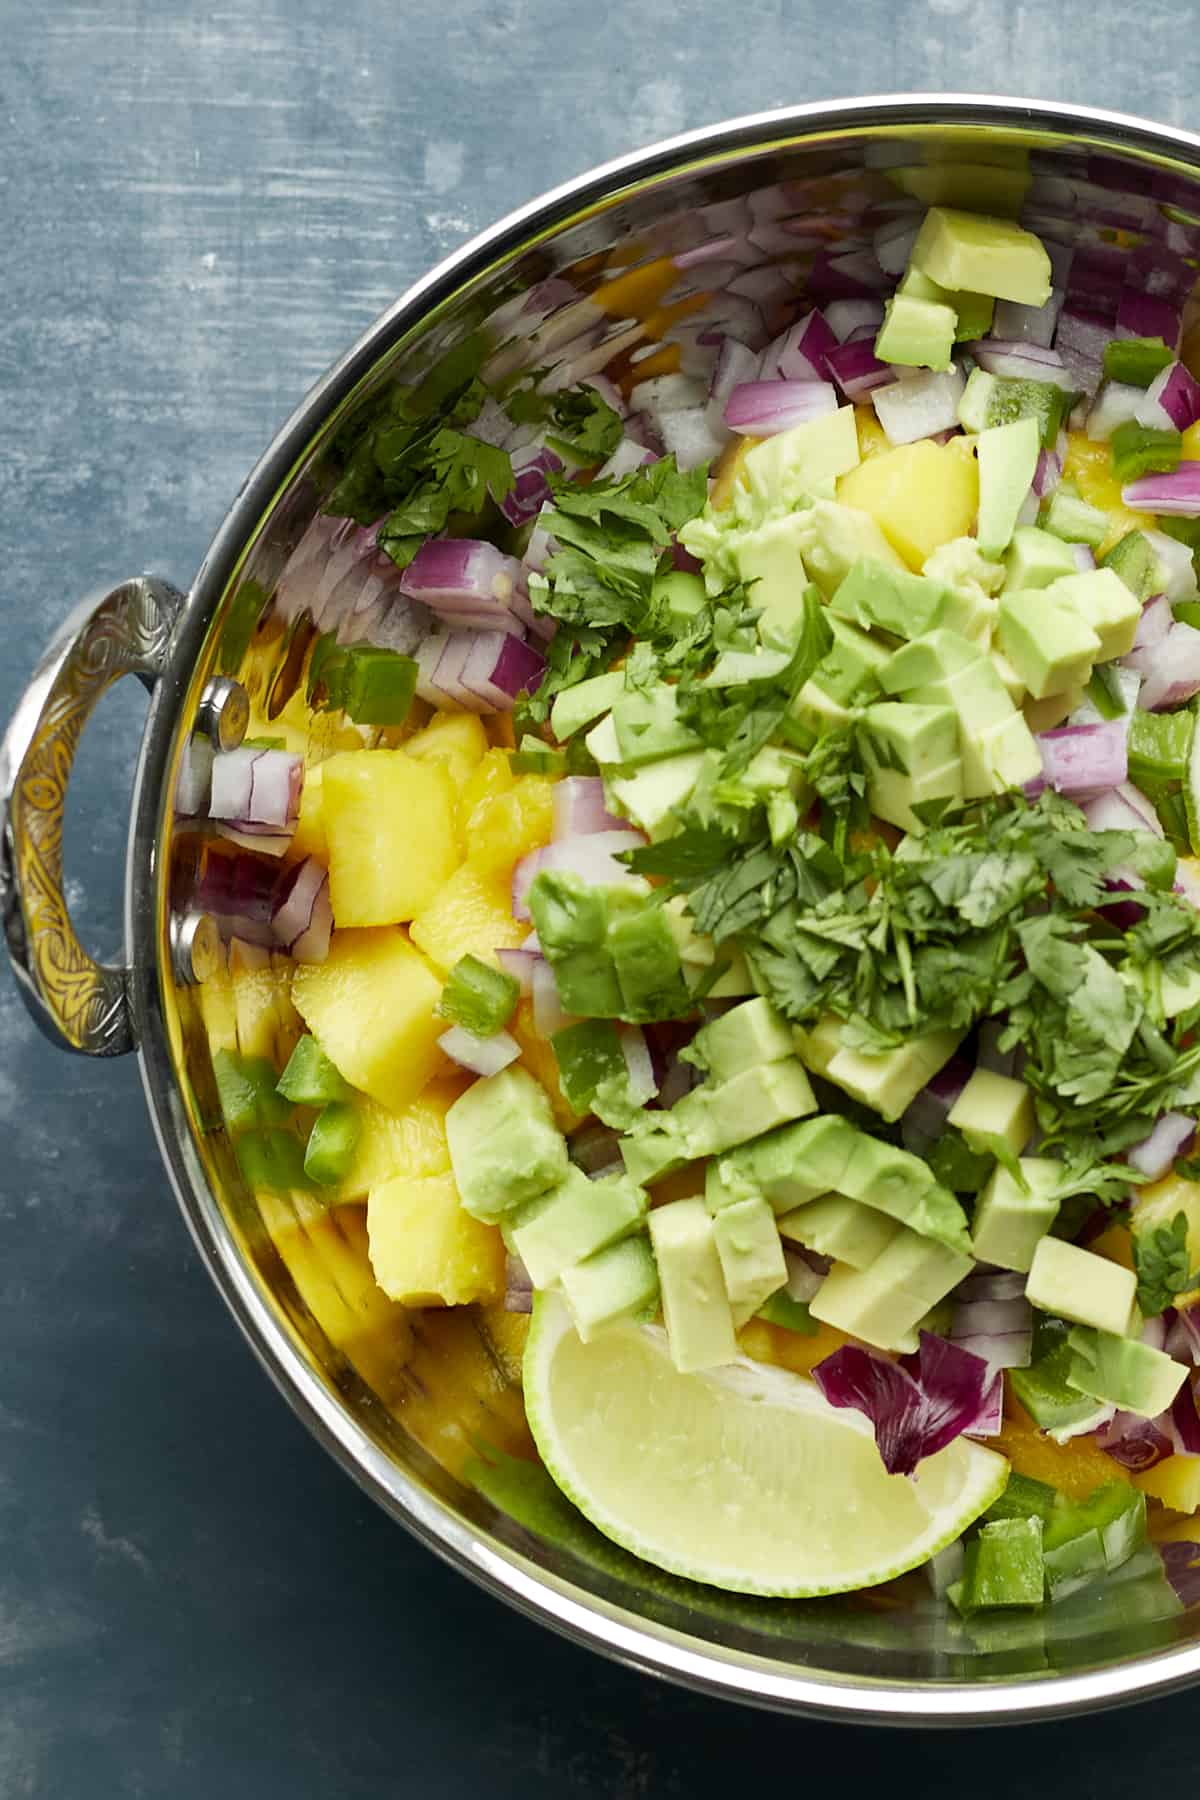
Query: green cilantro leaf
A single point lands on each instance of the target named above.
(1160, 1258)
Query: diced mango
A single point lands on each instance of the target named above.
(795, 1350)
(390, 823)
(409, 1142)
(218, 1009)
(372, 1005)
(491, 775)
(1089, 466)
(873, 440)
(539, 1058)
(267, 1024)
(426, 1250)
(921, 495)
(470, 916)
(309, 839)
(1191, 443)
(1075, 1467)
(456, 740)
(729, 470)
(1176, 1482)
(1157, 1204)
(508, 826)
(507, 1333)
(1115, 1245)
(638, 291)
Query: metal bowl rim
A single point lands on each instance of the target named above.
(494, 1566)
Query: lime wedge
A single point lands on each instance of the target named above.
(743, 1477)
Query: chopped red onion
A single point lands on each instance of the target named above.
(924, 1119)
(520, 964)
(766, 286)
(1116, 404)
(239, 891)
(627, 457)
(592, 858)
(1171, 1137)
(596, 1149)
(799, 353)
(803, 1277)
(195, 777)
(1047, 474)
(1185, 1422)
(989, 1284)
(1021, 361)
(1125, 808)
(1146, 315)
(440, 662)
(1154, 622)
(1176, 495)
(1133, 1442)
(1028, 324)
(856, 368)
(919, 405)
(892, 244)
(849, 319)
(1181, 1566)
(499, 667)
(690, 439)
(1080, 340)
(518, 1288)
(579, 808)
(764, 408)
(1176, 570)
(264, 840)
(1174, 397)
(463, 576)
(914, 1416)
(530, 489)
(1157, 271)
(302, 922)
(1171, 669)
(1085, 557)
(403, 626)
(1183, 1335)
(1084, 760)
(990, 1420)
(257, 791)
(482, 1055)
(735, 365)
(850, 275)
(1000, 1331)
(549, 1014)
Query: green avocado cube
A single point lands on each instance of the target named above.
(650, 1155)
(573, 1220)
(505, 1148)
(646, 959)
(839, 1227)
(874, 594)
(895, 1182)
(976, 693)
(992, 1107)
(803, 461)
(914, 740)
(575, 707)
(916, 333)
(934, 656)
(1102, 600)
(680, 594)
(650, 795)
(740, 1039)
(849, 671)
(983, 255)
(695, 1305)
(1003, 1566)
(888, 1082)
(793, 1164)
(1011, 1220)
(647, 727)
(1049, 644)
(601, 742)
(1078, 1285)
(712, 1119)
(1035, 558)
(751, 1255)
(973, 312)
(884, 1303)
(769, 559)
(1007, 457)
(1122, 1371)
(612, 1286)
(896, 796)
(1002, 756)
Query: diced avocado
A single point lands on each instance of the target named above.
(973, 312)
(1007, 456)
(848, 672)
(896, 1183)
(1073, 519)
(839, 1227)
(1014, 687)
(976, 693)
(573, 1220)
(694, 1302)
(1135, 560)
(1043, 1390)
(505, 1148)
(791, 1165)
(916, 333)
(653, 1154)
(680, 594)
(651, 794)
(818, 711)
(994, 1106)
(803, 461)
(1123, 1371)
(647, 727)
(887, 1083)
(770, 557)
(1048, 643)
(1078, 1285)
(646, 959)
(840, 536)
(883, 1303)
(1055, 709)
(975, 400)
(1035, 558)
(751, 1254)
(895, 796)
(1002, 1567)
(575, 707)
(894, 734)
(1000, 757)
(712, 1119)
(819, 1044)
(1010, 1221)
(587, 983)
(588, 1054)
(1101, 600)
(611, 1286)
(983, 255)
(891, 599)
(601, 741)
(740, 1039)
(933, 656)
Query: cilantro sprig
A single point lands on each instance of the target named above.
(1160, 1258)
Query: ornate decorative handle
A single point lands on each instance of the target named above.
(80, 1004)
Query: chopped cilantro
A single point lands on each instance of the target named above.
(1160, 1258)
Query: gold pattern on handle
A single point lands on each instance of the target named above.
(128, 633)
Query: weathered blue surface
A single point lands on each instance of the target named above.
(199, 208)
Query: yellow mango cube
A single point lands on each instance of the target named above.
(456, 740)
(1074, 1468)
(729, 470)
(538, 1057)
(508, 826)
(218, 1009)
(1089, 466)
(873, 440)
(470, 916)
(267, 1024)
(409, 1142)
(391, 829)
(309, 839)
(921, 495)
(426, 1250)
(1176, 1482)
(372, 1006)
(491, 775)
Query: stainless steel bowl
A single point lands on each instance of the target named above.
(400, 1401)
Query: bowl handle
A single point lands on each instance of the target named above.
(79, 1003)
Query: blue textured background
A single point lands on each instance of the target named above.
(199, 207)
